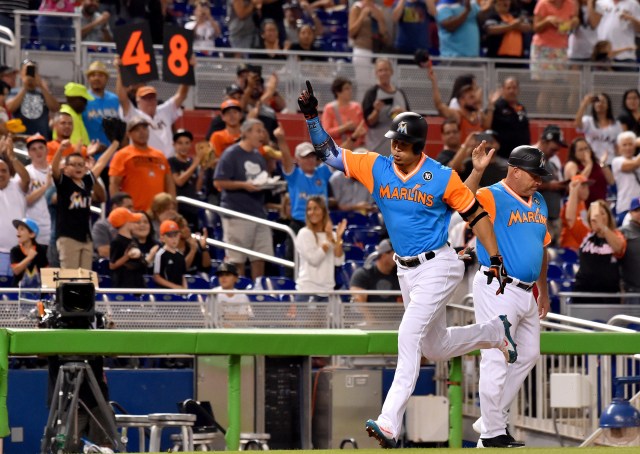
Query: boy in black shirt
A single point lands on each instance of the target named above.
(125, 261)
(186, 173)
(75, 185)
(28, 257)
(169, 265)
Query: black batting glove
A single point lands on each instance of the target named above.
(499, 272)
(308, 103)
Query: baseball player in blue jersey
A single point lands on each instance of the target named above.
(416, 196)
(519, 216)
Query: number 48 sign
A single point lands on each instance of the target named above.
(137, 62)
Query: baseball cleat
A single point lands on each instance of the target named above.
(384, 436)
(501, 441)
(508, 348)
(477, 427)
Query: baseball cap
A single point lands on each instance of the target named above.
(241, 68)
(233, 89)
(582, 179)
(384, 246)
(304, 149)
(182, 133)
(146, 91)
(28, 223)
(230, 104)
(74, 89)
(121, 215)
(635, 204)
(4, 69)
(35, 138)
(168, 226)
(553, 133)
(136, 121)
(97, 67)
(226, 267)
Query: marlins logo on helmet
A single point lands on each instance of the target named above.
(402, 127)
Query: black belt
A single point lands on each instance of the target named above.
(412, 262)
(525, 287)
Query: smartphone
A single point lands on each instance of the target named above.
(387, 101)
(30, 71)
(480, 136)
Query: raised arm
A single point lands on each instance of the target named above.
(57, 158)
(287, 160)
(326, 149)
(481, 159)
(442, 108)
(99, 166)
(25, 179)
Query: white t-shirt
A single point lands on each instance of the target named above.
(626, 183)
(582, 40)
(13, 205)
(618, 31)
(317, 268)
(204, 37)
(160, 132)
(243, 309)
(39, 211)
(602, 140)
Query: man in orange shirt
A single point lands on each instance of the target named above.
(573, 227)
(63, 127)
(231, 113)
(140, 170)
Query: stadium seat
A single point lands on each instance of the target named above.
(169, 297)
(570, 269)
(263, 299)
(555, 272)
(353, 252)
(197, 282)
(5, 281)
(149, 282)
(104, 281)
(354, 219)
(275, 283)
(101, 266)
(348, 268)
(567, 256)
(362, 236)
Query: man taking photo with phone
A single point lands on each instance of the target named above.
(33, 101)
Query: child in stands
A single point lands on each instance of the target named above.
(227, 278)
(28, 257)
(169, 266)
(126, 261)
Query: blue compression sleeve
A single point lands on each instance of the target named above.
(326, 148)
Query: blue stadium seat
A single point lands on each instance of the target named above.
(275, 283)
(570, 269)
(196, 282)
(567, 255)
(348, 268)
(149, 282)
(354, 219)
(555, 272)
(104, 281)
(362, 236)
(352, 252)
(101, 266)
(169, 297)
(5, 281)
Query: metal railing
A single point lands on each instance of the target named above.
(236, 214)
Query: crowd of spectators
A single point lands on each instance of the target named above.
(246, 165)
(552, 33)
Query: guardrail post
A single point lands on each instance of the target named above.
(4, 385)
(232, 437)
(455, 403)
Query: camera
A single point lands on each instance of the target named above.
(30, 70)
(73, 306)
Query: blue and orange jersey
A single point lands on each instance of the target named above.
(521, 230)
(417, 206)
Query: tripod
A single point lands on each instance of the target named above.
(61, 431)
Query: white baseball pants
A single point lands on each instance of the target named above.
(499, 381)
(423, 330)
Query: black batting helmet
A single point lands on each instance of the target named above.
(409, 127)
(529, 158)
